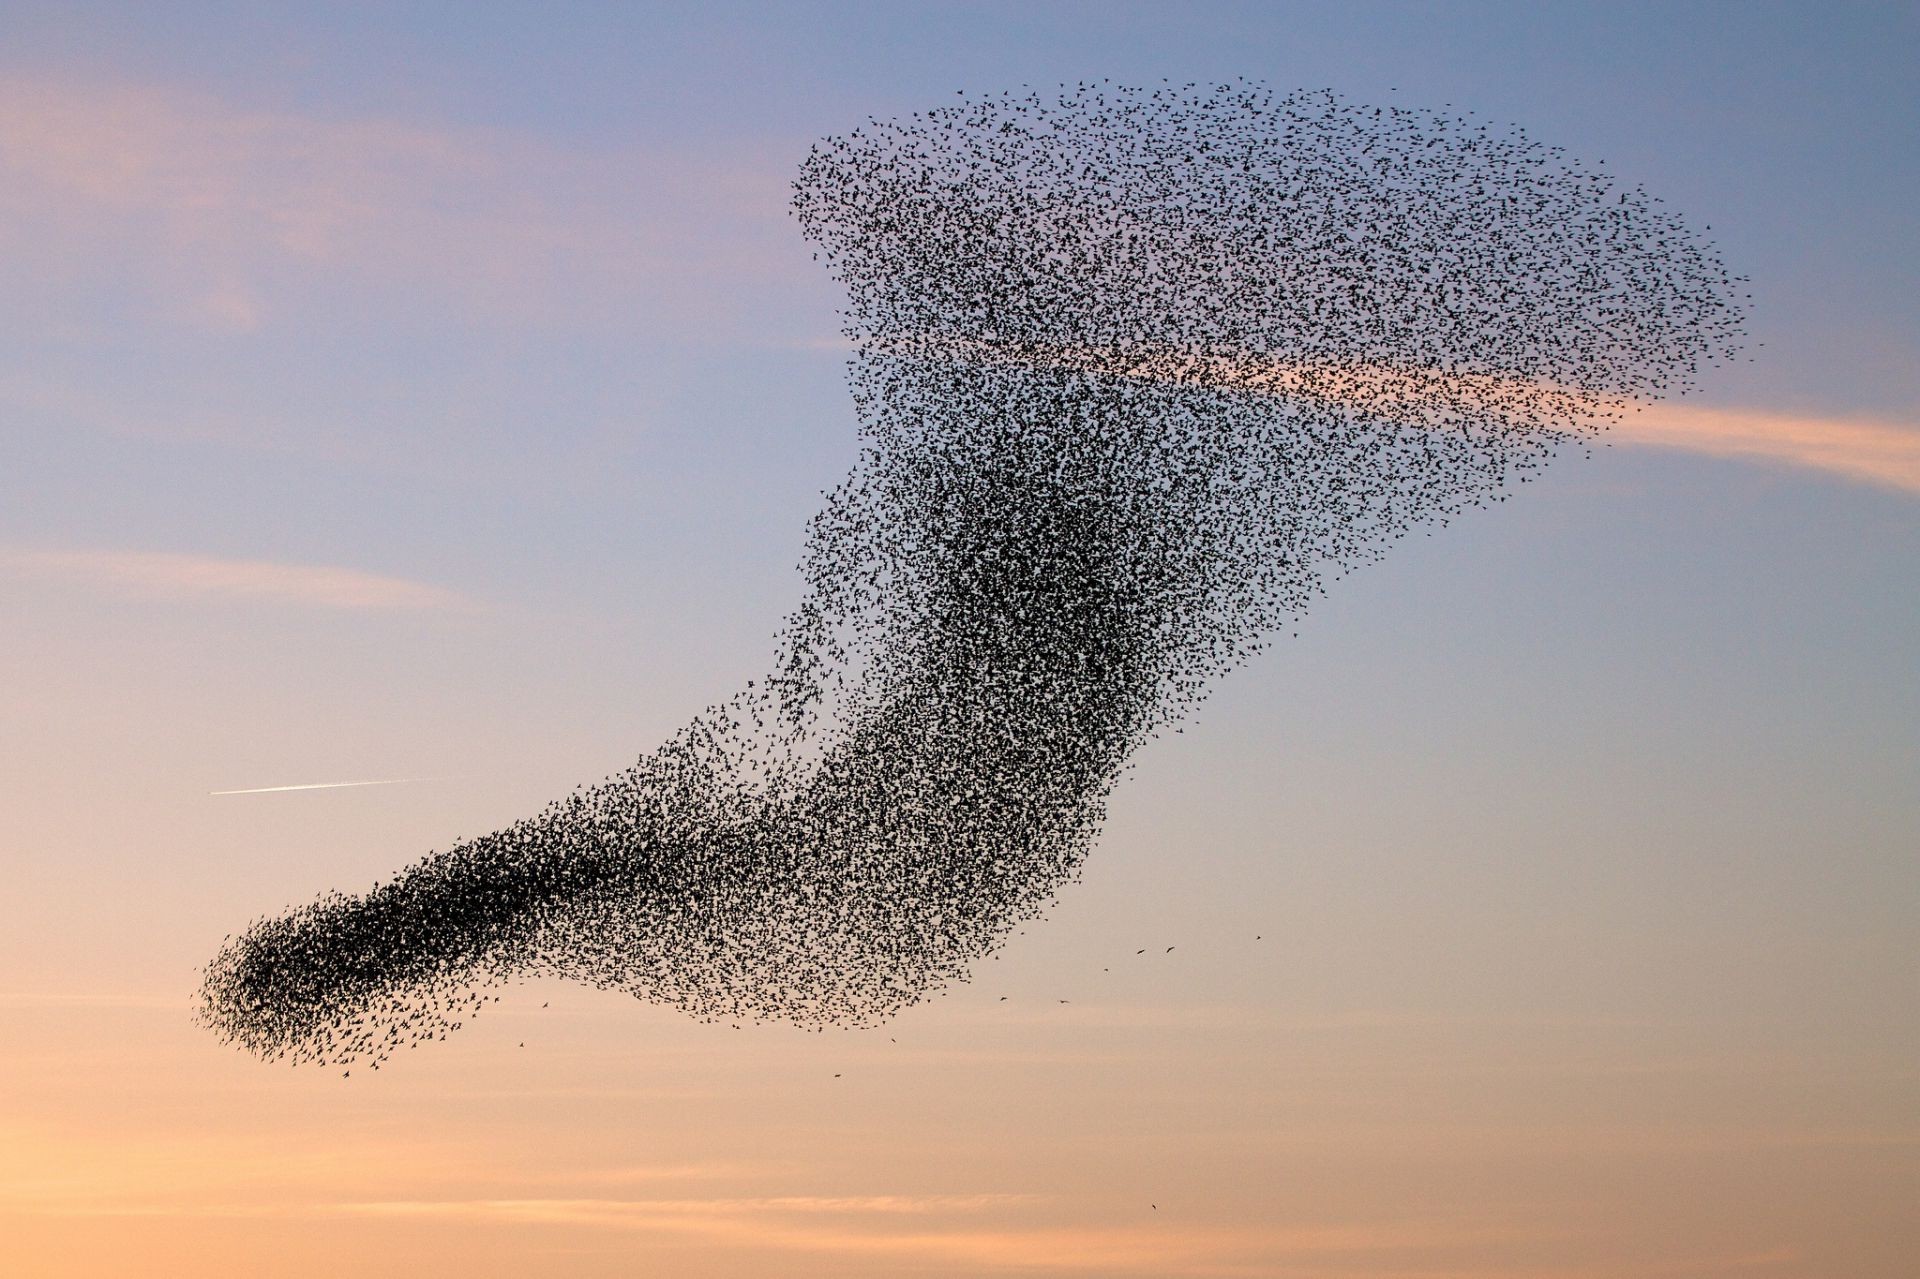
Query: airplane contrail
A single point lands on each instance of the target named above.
(262, 790)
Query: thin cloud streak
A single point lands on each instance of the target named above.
(617, 1212)
(172, 575)
(832, 1225)
(1883, 454)
(83, 999)
(268, 790)
(863, 1226)
(1877, 453)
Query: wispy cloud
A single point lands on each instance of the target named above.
(270, 790)
(1885, 454)
(890, 1226)
(82, 999)
(213, 212)
(216, 214)
(201, 1170)
(1878, 453)
(970, 1230)
(620, 1212)
(171, 575)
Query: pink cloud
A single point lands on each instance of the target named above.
(1877, 453)
(1880, 453)
(170, 575)
(217, 213)
(873, 1227)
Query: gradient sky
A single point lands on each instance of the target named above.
(438, 392)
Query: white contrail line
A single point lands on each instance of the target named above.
(262, 790)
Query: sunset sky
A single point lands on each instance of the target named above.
(436, 394)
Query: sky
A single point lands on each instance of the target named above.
(436, 394)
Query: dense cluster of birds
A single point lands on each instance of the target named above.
(1138, 371)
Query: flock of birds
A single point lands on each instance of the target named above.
(1137, 371)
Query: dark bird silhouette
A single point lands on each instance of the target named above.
(1138, 373)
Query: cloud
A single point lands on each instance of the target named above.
(217, 215)
(272, 790)
(199, 1170)
(980, 1232)
(82, 999)
(1877, 453)
(1884, 454)
(169, 575)
(883, 1226)
(626, 1212)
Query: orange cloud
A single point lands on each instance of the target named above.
(1879, 453)
(1870, 452)
(168, 575)
(865, 1226)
